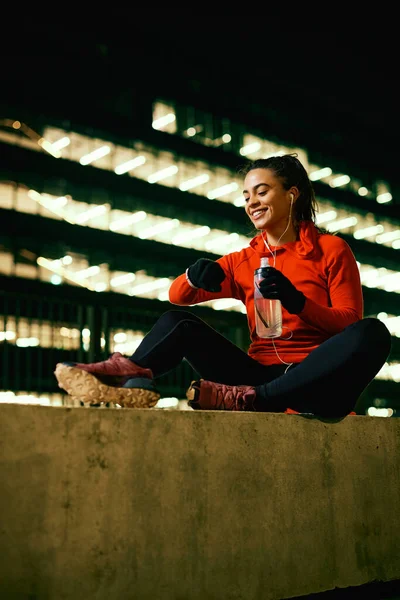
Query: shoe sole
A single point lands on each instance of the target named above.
(86, 387)
(191, 391)
(192, 394)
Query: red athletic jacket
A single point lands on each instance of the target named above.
(322, 266)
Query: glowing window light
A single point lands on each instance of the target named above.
(368, 231)
(7, 335)
(46, 145)
(89, 272)
(325, 217)
(120, 337)
(390, 282)
(191, 235)
(371, 282)
(95, 211)
(339, 181)
(362, 191)
(87, 159)
(370, 277)
(27, 342)
(61, 143)
(19, 398)
(167, 403)
(380, 278)
(383, 198)
(123, 279)
(389, 236)
(222, 191)
(342, 224)
(100, 287)
(163, 121)
(226, 138)
(163, 296)
(129, 165)
(379, 412)
(224, 303)
(191, 183)
(69, 333)
(160, 228)
(250, 148)
(143, 288)
(163, 174)
(49, 204)
(191, 131)
(34, 195)
(320, 174)
(49, 265)
(7, 397)
(392, 323)
(61, 201)
(277, 153)
(389, 371)
(222, 241)
(128, 220)
(240, 201)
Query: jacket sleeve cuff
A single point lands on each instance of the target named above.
(188, 280)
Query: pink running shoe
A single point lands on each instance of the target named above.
(208, 395)
(115, 366)
(117, 380)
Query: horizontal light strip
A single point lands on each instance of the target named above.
(222, 191)
(61, 143)
(128, 220)
(160, 228)
(320, 174)
(342, 224)
(129, 165)
(163, 174)
(87, 159)
(367, 231)
(192, 183)
(163, 121)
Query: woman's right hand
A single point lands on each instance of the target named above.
(206, 274)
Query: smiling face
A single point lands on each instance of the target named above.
(268, 204)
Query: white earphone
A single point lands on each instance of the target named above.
(291, 198)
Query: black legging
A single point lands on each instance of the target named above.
(327, 382)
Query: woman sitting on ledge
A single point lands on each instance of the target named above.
(327, 353)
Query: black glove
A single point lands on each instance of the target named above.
(206, 274)
(277, 286)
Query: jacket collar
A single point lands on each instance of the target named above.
(305, 247)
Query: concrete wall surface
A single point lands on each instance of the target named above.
(104, 504)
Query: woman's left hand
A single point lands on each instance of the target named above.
(277, 286)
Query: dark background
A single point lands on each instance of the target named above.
(342, 79)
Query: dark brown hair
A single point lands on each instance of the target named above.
(291, 173)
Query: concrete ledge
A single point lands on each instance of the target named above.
(154, 504)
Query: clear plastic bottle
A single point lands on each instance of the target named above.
(268, 313)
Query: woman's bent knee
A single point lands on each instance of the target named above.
(374, 335)
(376, 330)
(175, 316)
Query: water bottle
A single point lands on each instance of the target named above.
(268, 313)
